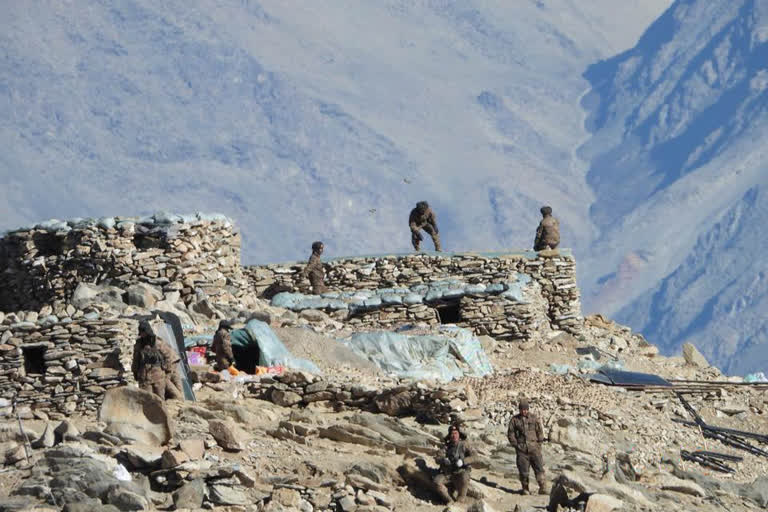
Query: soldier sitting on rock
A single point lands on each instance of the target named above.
(149, 366)
(314, 269)
(455, 465)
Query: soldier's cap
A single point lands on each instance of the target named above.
(523, 404)
(317, 245)
(225, 324)
(422, 204)
(546, 210)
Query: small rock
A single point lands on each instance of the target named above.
(287, 497)
(285, 398)
(190, 495)
(693, 357)
(225, 436)
(194, 448)
(347, 504)
(66, 431)
(47, 439)
(227, 495)
(126, 500)
(603, 503)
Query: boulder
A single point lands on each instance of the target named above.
(190, 495)
(141, 457)
(65, 431)
(693, 357)
(86, 294)
(143, 295)
(226, 495)
(47, 439)
(194, 448)
(394, 403)
(285, 398)
(225, 436)
(603, 503)
(287, 497)
(125, 500)
(481, 506)
(572, 435)
(135, 415)
(674, 484)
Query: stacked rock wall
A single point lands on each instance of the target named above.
(555, 300)
(62, 366)
(43, 265)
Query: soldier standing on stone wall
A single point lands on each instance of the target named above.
(314, 269)
(548, 232)
(526, 435)
(422, 217)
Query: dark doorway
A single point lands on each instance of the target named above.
(449, 313)
(48, 244)
(34, 360)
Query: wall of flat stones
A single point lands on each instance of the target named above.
(484, 314)
(43, 265)
(301, 389)
(74, 361)
(553, 271)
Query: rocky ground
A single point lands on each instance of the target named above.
(354, 439)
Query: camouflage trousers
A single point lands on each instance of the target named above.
(458, 480)
(318, 286)
(416, 237)
(527, 460)
(153, 380)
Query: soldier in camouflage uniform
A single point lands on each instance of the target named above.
(455, 465)
(173, 386)
(222, 346)
(149, 366)
(526, 435)
(548, 232)
(314, 269)
(422, 217)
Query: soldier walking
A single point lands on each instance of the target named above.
(149, 366)
(526, 435)
(548, 232)
(314, 269)
(222, 346)
(455, 465)
(422, 217)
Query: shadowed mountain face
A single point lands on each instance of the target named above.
(678, 168)
(306, 120)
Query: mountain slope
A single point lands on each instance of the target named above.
(677, 163)
(305, 120)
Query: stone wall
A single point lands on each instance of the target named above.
(44, 264)
(552, 273)
(61, 366)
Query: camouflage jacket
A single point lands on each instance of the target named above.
(418, 219)
(148, 362)
(525, 433)
(314, 268)
(548, 233)
(461, 451)
(222, 345)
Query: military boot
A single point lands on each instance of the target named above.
(524, 485)
(543, 489)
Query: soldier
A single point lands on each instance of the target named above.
(173, 385)
(422, 217)
(222, 345)
(455, 466)
(548, 232)
(314, 269)
(149, 366)
(526, 435)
